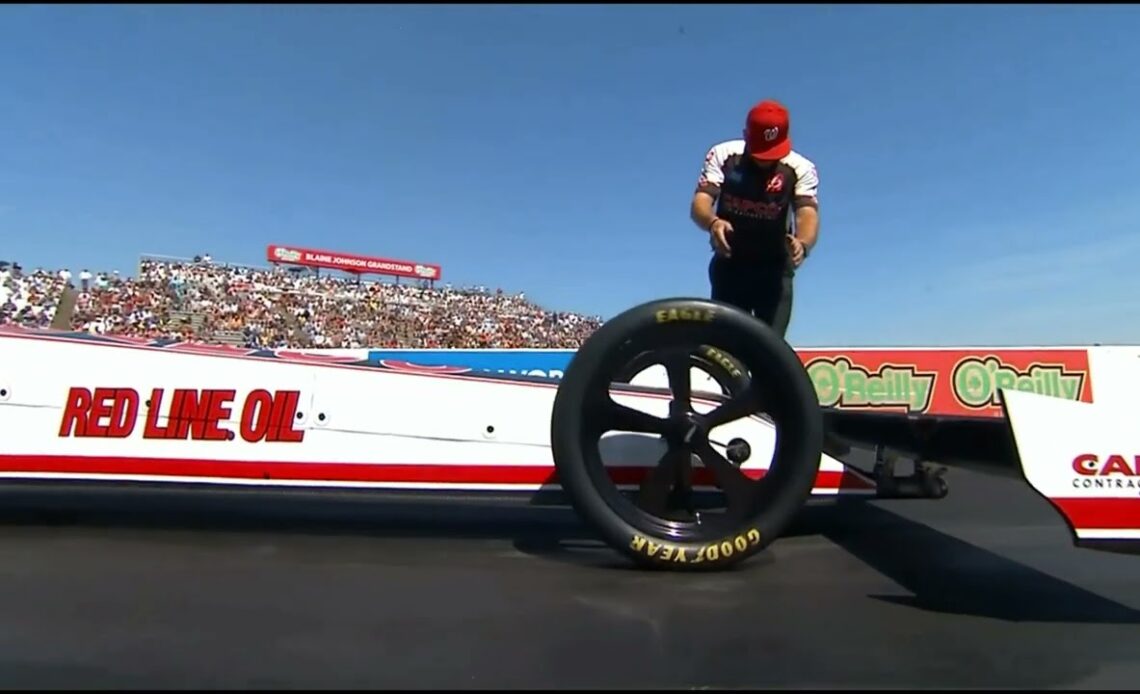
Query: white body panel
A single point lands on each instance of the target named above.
(357, 426)
(1085, 457)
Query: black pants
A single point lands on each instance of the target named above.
(765, 292)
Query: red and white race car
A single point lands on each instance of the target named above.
(676, 471)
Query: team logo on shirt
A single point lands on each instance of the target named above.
(776, 183)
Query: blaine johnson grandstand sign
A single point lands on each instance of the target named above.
(348, 262)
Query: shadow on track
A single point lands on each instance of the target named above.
(950, 576)
(944, 574)
(286, 512)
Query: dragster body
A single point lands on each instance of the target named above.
(114, 410)
(98, 409)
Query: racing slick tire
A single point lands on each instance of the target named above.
(686, 324)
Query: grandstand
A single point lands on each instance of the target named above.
(201, 300)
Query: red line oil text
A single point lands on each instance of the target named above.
(191, 415)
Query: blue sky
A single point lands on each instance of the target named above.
(979, 176)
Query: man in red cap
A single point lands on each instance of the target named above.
(756, 198)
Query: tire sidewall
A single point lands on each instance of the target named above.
(723, 368)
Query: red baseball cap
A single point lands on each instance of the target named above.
(766, 131)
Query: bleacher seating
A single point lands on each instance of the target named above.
(204, 301)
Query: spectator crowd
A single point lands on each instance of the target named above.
(204, 301)
(30, 299)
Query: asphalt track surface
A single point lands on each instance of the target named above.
(188, 589)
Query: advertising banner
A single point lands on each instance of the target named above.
(348, 262)
(961, 382)
(944, 381)
(513, 362)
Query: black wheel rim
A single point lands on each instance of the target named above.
(684, 433)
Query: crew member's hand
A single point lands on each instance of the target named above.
(718, 238)
(797, 249)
